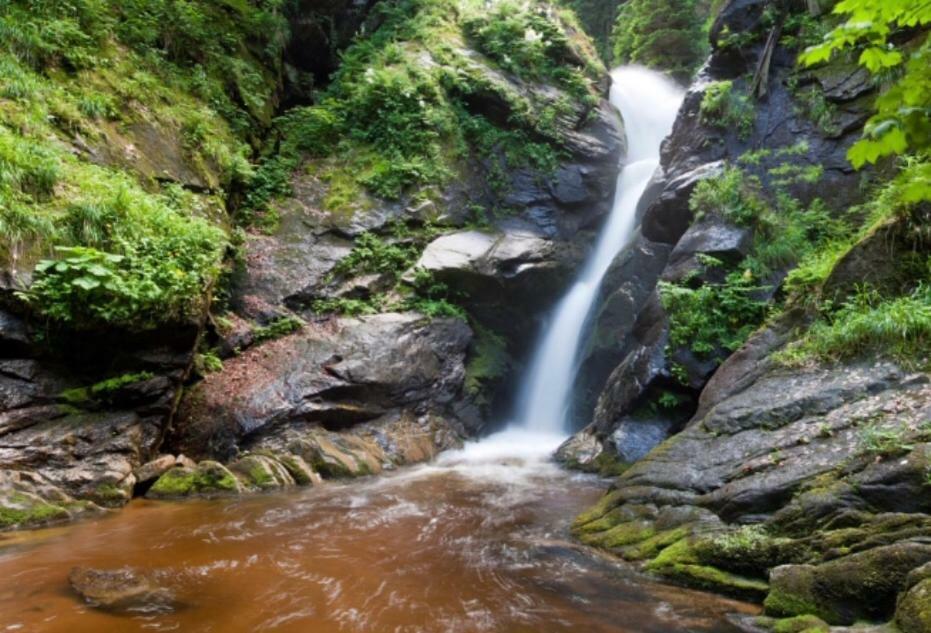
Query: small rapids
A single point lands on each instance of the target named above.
(477, 541)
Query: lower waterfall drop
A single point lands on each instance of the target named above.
(648, 102)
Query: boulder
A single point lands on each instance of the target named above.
(335, 374)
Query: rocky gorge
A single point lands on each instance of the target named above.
(389, 200)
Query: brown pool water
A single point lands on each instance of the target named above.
(477, 542)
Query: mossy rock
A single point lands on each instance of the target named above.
(681, 564)
(604, 505)
(301, 473)
(913, 614)
(801, 624)
(262, 472)
(856, 587)
(21, 509)
(208, 478)
(620, 535)
(749, 550)
(651, 547)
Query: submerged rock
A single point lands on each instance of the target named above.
(125, 589)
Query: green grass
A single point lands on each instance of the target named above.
(869, 324)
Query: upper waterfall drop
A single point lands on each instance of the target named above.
(648, 103)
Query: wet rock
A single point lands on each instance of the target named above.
(581, 450)
(634, 438)
(262, 472)
(154, 469)
(335, 374)
(642, 366)
(125, 589)
(711, 237)
(862, 585)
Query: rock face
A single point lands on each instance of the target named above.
(819, 475)
(331, 376)
(72, 432)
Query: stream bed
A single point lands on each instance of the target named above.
(476, 541)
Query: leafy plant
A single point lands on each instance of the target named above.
(714, 319)
(721, 106)
(733, 195)
(901, 123)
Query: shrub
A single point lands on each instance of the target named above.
(714, 319)
(733, 195)
(662, 34)
(722, 107)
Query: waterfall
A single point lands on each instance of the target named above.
(648, 103)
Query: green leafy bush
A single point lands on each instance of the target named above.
(870, 324)
(714, 319)
(721, 106)
(733, 195)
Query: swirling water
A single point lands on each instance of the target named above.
(478, 541)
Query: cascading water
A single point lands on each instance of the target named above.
(648, 103)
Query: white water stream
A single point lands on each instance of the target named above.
(648, 103)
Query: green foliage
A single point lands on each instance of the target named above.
(663, 34)
(714, 319)
(277, 328)
(156, 278)
(432, 298)
(721, 106)
(870, 324)
(525, 40)
(104, 389)
(398, 116)
(348, 306)
(373, 254)
(902, 123)
(884, 441)
(732, 195)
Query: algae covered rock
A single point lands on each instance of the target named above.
(125, 589)
(208, 478)
(262, 472)
(913, 614)
(859, 586)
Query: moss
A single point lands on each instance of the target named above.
(296, 469)
(488, 361)
(801, 624)
(331, 469)
(23, 510)
(780, 602)
(207, 478)
(652, 546)
(177, 482)
(109, 494)
(604, 505)
(680, 563)
(214, 477)
(620, 535)
(608, 464)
